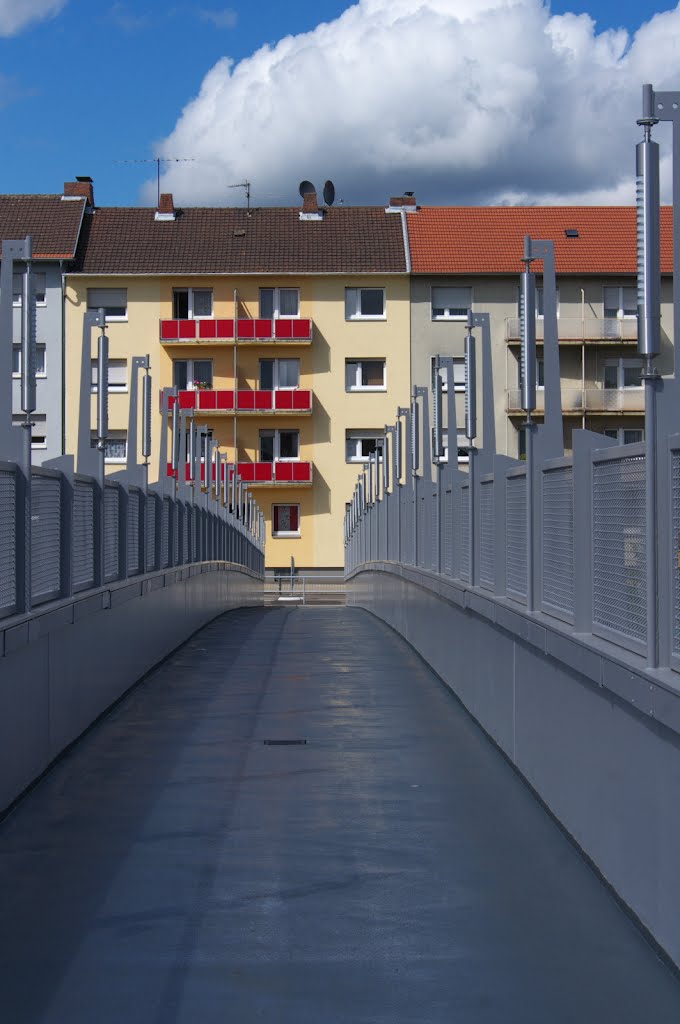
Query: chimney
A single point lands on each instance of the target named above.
(407, 203)
(81, 188)
(166, 207)
(310, 207)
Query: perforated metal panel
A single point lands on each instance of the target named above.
(487, 539)
(45, 538)
(8, 543)
(619, 557)
(83, 534)
(558, 539)
(165, 533)
(150, 532)
(462, 531)
(516, 536)
(133, 519)
(176, 523)
(111, 532)
(434, 530)
(421, 530)
(447, 538)
(675, 547)
(186, 512)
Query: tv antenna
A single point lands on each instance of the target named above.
(246, 186)
(158, 160)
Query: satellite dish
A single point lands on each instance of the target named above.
(305, 187)
(329, 193)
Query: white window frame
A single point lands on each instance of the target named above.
(276, 304)
(276, 433)
(356, 385)
(40, 374)
(18, 293)
(620, 314)
(621, 363)
(462, 443)
(447, 314)
(190, 303)
(115, 387)
(357, 436)
(287, 533)
(113, 293)
(275, 374)
(353, 303)
(191, 383)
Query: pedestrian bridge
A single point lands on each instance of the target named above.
(291, 818)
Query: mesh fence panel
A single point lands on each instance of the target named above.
(45, 538)
(619, 585)
(462, 530)
(487, 546)
(165, 533)
(186, 512)
(150, 532)
(83, 534)
(675, 546)
(176, 525)
(421, 529)
(447, 537)
(111, 531)
(558, 539)
(133, 519)
(516, 535)
(8, 542)
(434, 530)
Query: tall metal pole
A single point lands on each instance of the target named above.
(528, 330)
(470, 434)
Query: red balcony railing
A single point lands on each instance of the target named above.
(295, 473)
(259, 401)
(242, 329)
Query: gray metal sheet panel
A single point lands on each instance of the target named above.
(447, 540)
(8, 542)
(487, 540)
(516, 535)
(45, 538)
(558, 539)
(165, 533)
(462, 531)
(111, 531)
(83, 534)
(150, 531)
(133, 520)
(675, 546)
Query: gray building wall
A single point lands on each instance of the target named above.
(49, 411)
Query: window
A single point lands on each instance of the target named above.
(38, 431)
(279, 445)
(115, 446)
(360, 444)
(279, 303)
(463, 447)
(364, 303)
(40, 359)
(192, 374)
(365, 375)
(279, 373)
(621, 373)
(117, 375)
(624, 435)
(192, 303)
(39, 287)
(285, 520)
(458, 376)
(620, 302)
(113, 301)
(451, 303)
(539, 302)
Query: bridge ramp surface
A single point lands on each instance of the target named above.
(178, 867)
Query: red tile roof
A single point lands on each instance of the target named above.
(204, 240)
(490, 239)
(53, 222)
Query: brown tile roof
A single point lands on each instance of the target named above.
(52, 222)
(490, 239)
(227, 241)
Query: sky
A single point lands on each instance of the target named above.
(461, 101)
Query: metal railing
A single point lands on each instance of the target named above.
(588, 328)
(285, 588)
(588, 400)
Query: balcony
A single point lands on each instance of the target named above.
(266, 474)
(224, 403)
(577, 330)
(226, 332)
(593, 401)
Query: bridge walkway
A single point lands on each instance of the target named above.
(190, 861)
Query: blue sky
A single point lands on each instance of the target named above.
(80, 91)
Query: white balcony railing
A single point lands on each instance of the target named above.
(580, 329)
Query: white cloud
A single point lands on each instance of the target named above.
(15, 16)
(224, 18)
(464, 101)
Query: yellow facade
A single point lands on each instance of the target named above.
(322, 435)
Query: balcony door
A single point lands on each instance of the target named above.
(192, 374)
(279, 445)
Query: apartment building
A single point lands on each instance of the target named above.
(285, 331)
(54, 223)
(470, 258)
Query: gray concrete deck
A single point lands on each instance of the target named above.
(175, 868)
